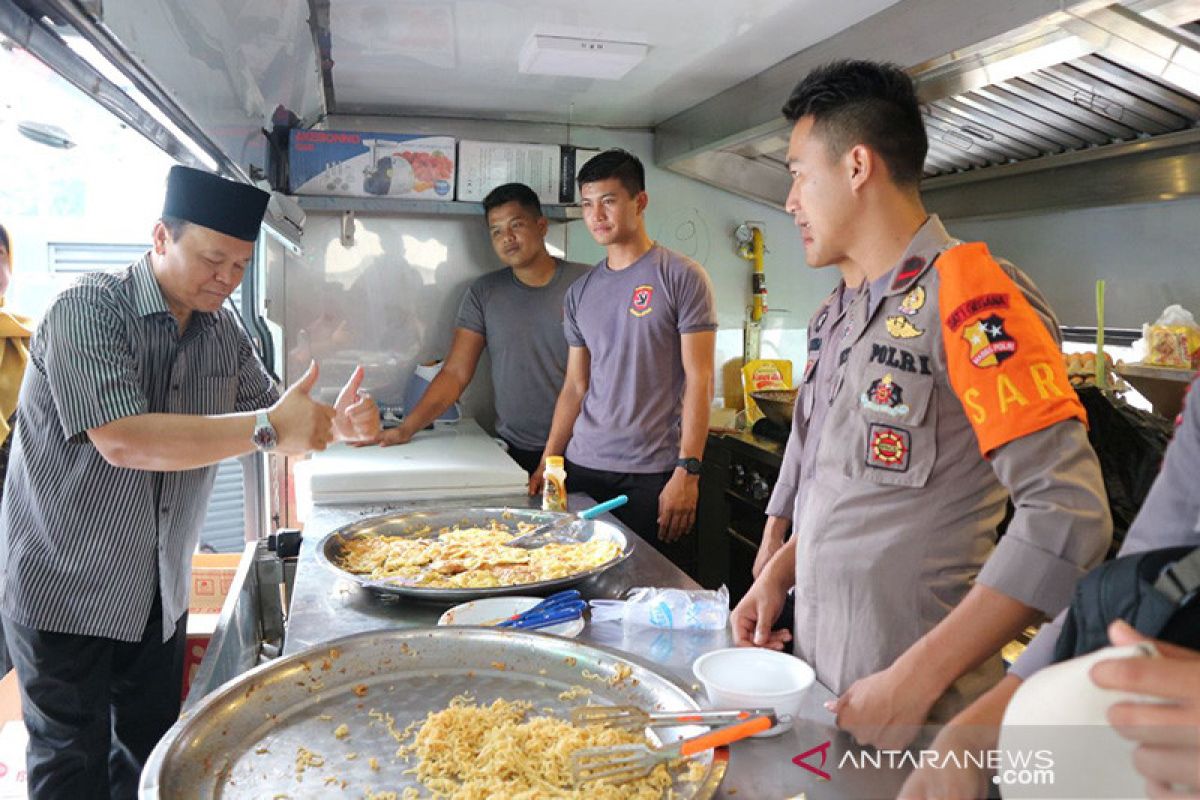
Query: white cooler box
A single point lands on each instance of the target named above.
(453, 461)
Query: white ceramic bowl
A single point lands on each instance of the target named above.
(490, 610)
(751, 677)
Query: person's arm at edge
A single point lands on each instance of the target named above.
(756, 613)
(447, 386)
(173, 442)
(677, 503)
(566, 409)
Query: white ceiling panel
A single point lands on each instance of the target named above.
(460, 58)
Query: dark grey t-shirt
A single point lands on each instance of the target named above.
(523, 328)
(630, 321)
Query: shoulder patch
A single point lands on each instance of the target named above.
(1003, 364)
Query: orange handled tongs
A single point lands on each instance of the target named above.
(626, 762)
(634, 718)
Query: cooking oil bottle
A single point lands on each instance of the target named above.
(554, 485)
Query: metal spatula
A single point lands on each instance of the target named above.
(634, 718)
(626, 762)
(556, 532)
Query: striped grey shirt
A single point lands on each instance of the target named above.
(83, 543)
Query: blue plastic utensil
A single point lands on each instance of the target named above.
(569, 599)
(553, 615)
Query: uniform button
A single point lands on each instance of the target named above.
(175, 387)
(165, 509)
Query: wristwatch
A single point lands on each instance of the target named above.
(690, 465)
(265, 438)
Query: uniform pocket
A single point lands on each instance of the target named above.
(896, 429)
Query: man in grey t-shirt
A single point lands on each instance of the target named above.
(516, 313)
(642, 330)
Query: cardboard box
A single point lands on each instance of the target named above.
(549, 169)
(200, 629)
(364, 164)
(212, 576)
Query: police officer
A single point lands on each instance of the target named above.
(944, 382)
(139, 382)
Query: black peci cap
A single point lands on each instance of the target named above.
(235, 209)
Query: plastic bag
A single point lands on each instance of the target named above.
(651, 607)
(1173, 340)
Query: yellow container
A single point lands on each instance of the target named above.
(761, 375)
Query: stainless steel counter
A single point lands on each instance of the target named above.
(324, 606)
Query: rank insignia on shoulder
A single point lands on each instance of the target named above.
(913, 302)
(888, 448)
(910, 269)
(884, 396)
(901, 327)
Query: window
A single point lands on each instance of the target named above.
(74, 257)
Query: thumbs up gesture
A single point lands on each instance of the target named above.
(301, 423)
(357, 418)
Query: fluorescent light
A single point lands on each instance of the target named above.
(579, 56)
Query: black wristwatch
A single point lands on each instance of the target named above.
(690, 465)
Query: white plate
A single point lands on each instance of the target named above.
(491, 610)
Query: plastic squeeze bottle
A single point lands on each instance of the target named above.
(554, 485)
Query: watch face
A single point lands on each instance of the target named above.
(691, 465)
(264, 437)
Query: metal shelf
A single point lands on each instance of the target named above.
(1164, 387)
(399, 205)
(1184, 376)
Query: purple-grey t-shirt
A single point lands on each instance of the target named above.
(523, 328)
(630, 321)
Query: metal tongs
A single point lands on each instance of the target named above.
(555, 532)
(634, 718)
(555, 609)
(626, 762)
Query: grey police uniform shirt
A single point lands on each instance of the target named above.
(887, 548)
(1170, 517)
(631, 321)
(85, 545)
(523, 326)
(827, 328)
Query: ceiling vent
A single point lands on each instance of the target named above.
(581, 54)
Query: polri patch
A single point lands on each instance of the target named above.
(888, 448)
(990, 344)
(884, 396)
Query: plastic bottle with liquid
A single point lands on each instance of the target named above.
(554, 485)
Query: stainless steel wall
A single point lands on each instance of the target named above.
(1148, 255)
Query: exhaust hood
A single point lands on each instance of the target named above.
(1093, 104)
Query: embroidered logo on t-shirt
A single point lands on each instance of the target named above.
(640, 305)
